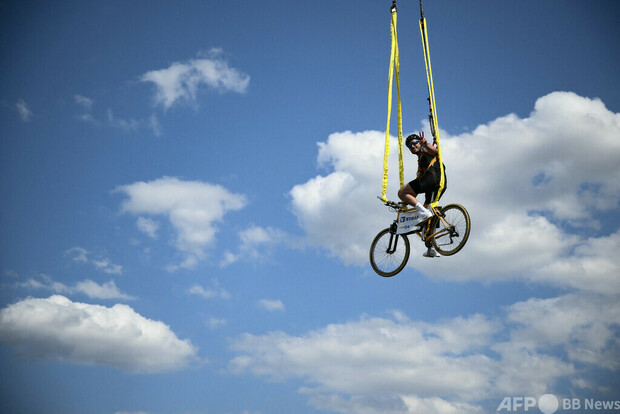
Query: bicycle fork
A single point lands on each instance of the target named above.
(393, 243)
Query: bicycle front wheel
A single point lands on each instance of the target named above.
(451, 229)
(389, 253)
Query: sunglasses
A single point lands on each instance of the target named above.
(412, 143)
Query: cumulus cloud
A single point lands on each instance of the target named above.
(374, 356)
(534, 188)
(58, 329)
(388, 404)
(321, 203)
(192, 207)
(585, 324)
(181, 82)
(397, 365)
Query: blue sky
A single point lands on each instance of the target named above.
(190, 195)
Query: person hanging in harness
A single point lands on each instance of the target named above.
(427, 180)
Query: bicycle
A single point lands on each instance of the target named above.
(447, 231)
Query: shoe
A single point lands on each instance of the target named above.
(425, 216)
(431, 253)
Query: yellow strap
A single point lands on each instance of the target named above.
(431, 93)
(394, 66)
(430, 164)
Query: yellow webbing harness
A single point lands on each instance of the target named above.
(394, 66)
(431, 99)
(430, 164)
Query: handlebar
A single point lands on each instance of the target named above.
(392, 204)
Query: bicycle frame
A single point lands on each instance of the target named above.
(425, 235)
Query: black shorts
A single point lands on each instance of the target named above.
(428, 183)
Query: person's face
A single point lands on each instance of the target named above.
(414, 146)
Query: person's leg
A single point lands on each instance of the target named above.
(407, 195)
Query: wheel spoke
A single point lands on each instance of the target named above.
(454, 230)
(387, 260)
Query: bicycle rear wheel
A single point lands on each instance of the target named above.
(451, 229)
(389, 253)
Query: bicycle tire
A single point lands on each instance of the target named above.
(383, 262)
(449, 240)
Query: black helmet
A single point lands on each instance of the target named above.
(412, 137)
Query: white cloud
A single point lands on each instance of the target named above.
(532, 186)
(345, 199)
(257, 235)
(24, 110)
(193, 208)
(189, 262)
(436, 405)
(181, 82)
(388, 404)
(108, 290)
(215, 291)
(81, 255)
(93, 290)
(396, 365)
(107, 267)
(586, 325)
(127, 125)
(83, 101)
(257, 243)
(373, 356)
(228, 259)
(148, 226)
(59, 329)
(131, 412)
(11, 273)
(214, 323)
(131, 125)
(271, 305)
(78, 254)
(87, 118)
(591, 265)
